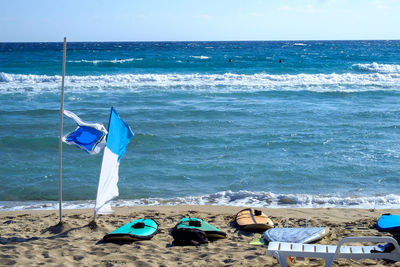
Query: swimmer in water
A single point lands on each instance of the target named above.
(230, 60)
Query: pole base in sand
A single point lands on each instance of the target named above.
(93, 225)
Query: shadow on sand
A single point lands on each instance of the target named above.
(60, 230)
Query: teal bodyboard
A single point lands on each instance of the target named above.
(210, 230)
(140, 229)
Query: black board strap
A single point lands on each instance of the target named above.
(252, 216)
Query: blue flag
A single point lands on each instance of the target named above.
(90, 137)
(119, 135)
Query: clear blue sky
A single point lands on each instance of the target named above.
(202, 20)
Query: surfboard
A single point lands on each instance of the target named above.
(388, 223)
(253, 220)
(140, 229)
(211, 231)
(296, 235)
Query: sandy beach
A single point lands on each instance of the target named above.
(32, 238)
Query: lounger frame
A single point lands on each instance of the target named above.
(282, 250)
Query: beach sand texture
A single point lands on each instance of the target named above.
(31, 238)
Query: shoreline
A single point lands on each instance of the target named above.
(226, 198)
(33, 237)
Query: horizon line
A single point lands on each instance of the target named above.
(184, 41)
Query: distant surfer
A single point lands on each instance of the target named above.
(230, 60)
(280, 60)
(187, 60)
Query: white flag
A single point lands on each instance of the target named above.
(119, 135)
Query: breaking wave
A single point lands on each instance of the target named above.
(200, 57)
(229, 198)
(105, 61)
(228, 82)
(375, 67)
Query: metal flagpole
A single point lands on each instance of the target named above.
(61, 132)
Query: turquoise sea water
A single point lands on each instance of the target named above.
(321, 128)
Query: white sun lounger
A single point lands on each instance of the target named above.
(282, 250)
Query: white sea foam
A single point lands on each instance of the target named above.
(375, 67)
(96, 62)
(200, 57)
(299, 44)
(229, 198)
(228, 82)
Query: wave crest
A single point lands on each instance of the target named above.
(227, 82)
(229, 198)
(200, 57)
(375, 67)
(105, 61)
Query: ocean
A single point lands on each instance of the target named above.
(261, 124)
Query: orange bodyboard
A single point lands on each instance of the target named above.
(253, 220)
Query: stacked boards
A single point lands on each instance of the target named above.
(291, 235)
(296, 235)
(388, 223)
(140, 229)
(212, 232)
(253, 220)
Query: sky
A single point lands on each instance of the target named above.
(201, 20)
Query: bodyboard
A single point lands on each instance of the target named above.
(140, 229)
(212, 232)
(258, 241)
(388, 223)
(253, 220)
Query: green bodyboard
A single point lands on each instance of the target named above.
(211, 231)
(140, 229)
(258, 241)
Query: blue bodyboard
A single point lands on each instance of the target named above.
(388, 223)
